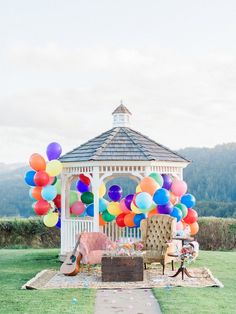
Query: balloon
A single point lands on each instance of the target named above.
(153, 212)
(183, 208)
(54, 168)
(49, 192)
(37, 162)
(113, 208)
(87, 197)
(143, 200)
(115, 193)
(90, 210)
(30, 194)
(161, 196)
(74, 197)
(41, 178)
(54, 151)
(128, 200)
(135, 209)
(51, 219)
(58, 186)
(157, 177)
(36, 193)
(138, 189)
(167, 181)
(194, 228)
(179, 226)
(84, 179)
(149, 185)
(102, 204)
(129, 220)
(123, 206)
(191, 217)
(29, 177)
(58, 225)
(188, 200)
(177, 213)
(173, 198)
(101, 221)
(52, 180)
(82, 187)
(41, 207)
(107, 216)
(57, 201)
(138, 218)
(102, 190)
(165, 209)
(179, 187)
(77, 208)
(120, 220)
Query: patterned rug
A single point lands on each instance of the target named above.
(153, 278)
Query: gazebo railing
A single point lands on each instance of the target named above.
(114, 232)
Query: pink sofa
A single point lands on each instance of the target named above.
(92, 246)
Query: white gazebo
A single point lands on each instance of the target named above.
(120, 151)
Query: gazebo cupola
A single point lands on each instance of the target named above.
(120, 151)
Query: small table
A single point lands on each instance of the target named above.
(182, 269)
(122, 268)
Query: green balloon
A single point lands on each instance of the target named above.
(58, 186)
(73, 197)
(157, 177)
(183, 209)
(107, 216)
(87, 198)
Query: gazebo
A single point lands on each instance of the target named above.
(120, 151)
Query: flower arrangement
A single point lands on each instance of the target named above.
(125, 249)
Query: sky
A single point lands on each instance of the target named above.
(65, 66)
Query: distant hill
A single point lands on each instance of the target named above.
(211, 177)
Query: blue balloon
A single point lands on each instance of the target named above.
(82, 187)
(177, 213)
(138, 218)
(102, 205)
(90, 210)
(188, 200)
(143, 200)
(161, 196)
(49, 192)
(30, 195)
(29, 178)
(58, 225)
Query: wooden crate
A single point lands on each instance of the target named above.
(122, 268)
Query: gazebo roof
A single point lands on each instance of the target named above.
(123, 144)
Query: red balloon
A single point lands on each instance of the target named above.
(84, 179)
(41, 207)
(41, 178)
(120, 220)
(191, 217)
(57, 201)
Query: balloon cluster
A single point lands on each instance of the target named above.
(45, 187)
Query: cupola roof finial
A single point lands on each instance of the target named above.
(121, 116)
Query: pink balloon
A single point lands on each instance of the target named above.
(179, 187)
(123, 207)
(77, 208)
(179, 226)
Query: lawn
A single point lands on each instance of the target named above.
(18, 266)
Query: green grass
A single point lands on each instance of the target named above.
(204, 300)
(18, 266)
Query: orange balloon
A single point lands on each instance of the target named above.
(153, 212)
(129, 220)
(101, 221)
(37, 162)
(173, 198)
(36, 193)
(149, 185)
(194, 227)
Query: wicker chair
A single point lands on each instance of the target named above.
(157, 233)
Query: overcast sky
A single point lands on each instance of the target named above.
(65, 66)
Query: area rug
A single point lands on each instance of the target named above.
(153, 278)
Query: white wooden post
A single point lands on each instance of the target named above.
(63, 209)
(147, 171)
(96, 183)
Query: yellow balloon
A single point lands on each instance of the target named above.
(54, 168)
(138, 189)
(113, 208)
(135, 209)
(102, 190)
(51, 219)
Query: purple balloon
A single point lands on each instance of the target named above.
(54, 151)
(82, 187)
(115, 193)
(167, 181)
(165, 209)
(58, 225)
(128, 200)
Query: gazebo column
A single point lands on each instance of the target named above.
(96, 184)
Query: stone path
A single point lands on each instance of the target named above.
(132, 301)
